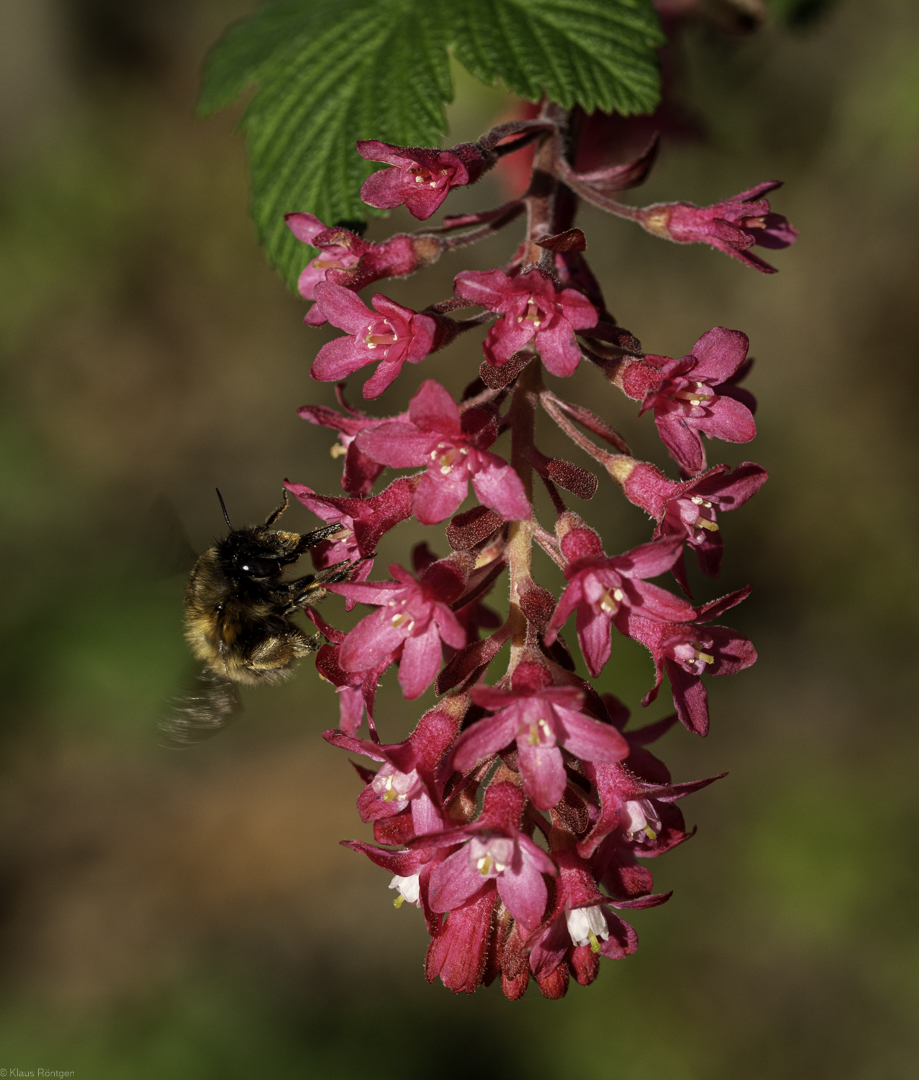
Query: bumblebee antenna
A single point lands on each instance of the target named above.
(223, 507)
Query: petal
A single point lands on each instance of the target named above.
(733, 652)
(719, 353)
(500, 488)
(594, 637)
(543, 771)
(438, 497)
(374, 150)
(732, 489)
(370, 642)
(339, 358)
(682, 441)
(433, 409)
(306, 227)
(729, 420)
(396, 444)
(385, 374)
(343, 308)
(590, 739)
(571, 598)
(454, 881)
(690, 698)
(648, 560)
(485, 737)
(451, 629)
(524, 893)
(506, 337)
(421, 660)
(487, 288)
(622, 938)
(558, 348)
(384, 189)
(661, 604)
(577, 309)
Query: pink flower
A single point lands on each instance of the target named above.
(630, 804)
(421, 178)
(689, 396)
(581, 928)
(688, 649)
(688, 509)
(602, 589)
(496, 855)
(407, 777)
(392, 336)
(413, 619)
(732, 226)
(539, 718)
(531, 309)
(453, 446)
(346, 259)
(366, 521)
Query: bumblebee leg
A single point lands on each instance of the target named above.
(275, 514)
(272, 659)
(311, 539)
(309, 589)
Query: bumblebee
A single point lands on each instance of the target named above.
(238, 618)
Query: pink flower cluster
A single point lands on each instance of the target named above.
(518, 814)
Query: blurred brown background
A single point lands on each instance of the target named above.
(191, 914)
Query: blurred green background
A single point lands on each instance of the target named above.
(191, 914)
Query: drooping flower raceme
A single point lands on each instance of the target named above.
(519, 813)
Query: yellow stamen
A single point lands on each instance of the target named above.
(398, 901)
(704, 523)
(594, 943)
(338, 450)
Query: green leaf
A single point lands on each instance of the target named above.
(595, 53)
(330, 72)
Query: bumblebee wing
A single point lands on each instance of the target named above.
(206, 709)
(163, 541)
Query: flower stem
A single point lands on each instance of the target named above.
(522, 419)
